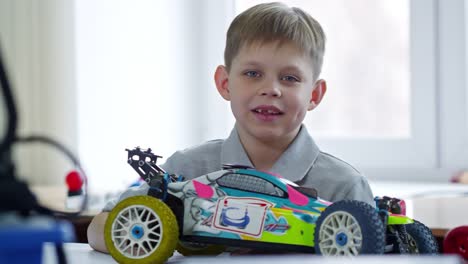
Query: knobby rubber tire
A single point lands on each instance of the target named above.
(367, 220)
(422, 236)
(186, 249)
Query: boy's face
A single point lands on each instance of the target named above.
(271, 88)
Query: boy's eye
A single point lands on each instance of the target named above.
(290, 78)
(253, 74)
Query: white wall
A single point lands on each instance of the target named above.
(37, 39)
(145, 73)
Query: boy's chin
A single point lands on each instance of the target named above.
(271, 134)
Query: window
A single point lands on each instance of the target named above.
(366, 66)
(374, 114)
(249, 183)
(396, 75)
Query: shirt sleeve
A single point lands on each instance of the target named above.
(360, 191)
(132, 191)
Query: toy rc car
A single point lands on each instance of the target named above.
(239, 206)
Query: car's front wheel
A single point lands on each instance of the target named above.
(141, 229)
(349, 228)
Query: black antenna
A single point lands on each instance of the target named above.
(10, 133)
(11, 187)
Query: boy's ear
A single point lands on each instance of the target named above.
(221, 79)
(320, 88)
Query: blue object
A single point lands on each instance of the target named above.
(23, 241)
(341, 239)
(239, 223)
(138, 232)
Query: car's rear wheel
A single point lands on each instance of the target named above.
(349, 228)
(420, 239)
(141, 229)
(192, 249)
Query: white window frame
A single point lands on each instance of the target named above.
(419, 151)
(453, 96)
(449, 113)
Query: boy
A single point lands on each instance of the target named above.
(273, 58)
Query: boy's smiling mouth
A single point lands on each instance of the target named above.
(267, 112)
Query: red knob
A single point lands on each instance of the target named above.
(74, 181)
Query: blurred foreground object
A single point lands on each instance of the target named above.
(25, 224)
(456, 242)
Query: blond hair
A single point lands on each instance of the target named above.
(272, 22)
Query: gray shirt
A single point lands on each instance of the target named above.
(302, 163)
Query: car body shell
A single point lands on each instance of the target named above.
(250, 205)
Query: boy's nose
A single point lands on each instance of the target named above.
(270, 89)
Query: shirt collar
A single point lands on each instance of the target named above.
(293, 164)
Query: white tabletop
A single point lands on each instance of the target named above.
(77, 253)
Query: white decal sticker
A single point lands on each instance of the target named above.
(241, 215)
